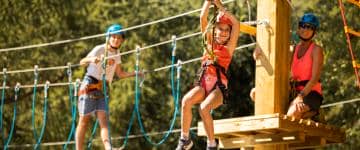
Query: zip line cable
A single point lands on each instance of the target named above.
(340, 103)
(120, 54)
(126, 52)
(102, 34)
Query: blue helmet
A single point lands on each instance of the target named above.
(310, 19)
(115, 29)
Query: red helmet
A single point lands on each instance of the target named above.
(221, 18)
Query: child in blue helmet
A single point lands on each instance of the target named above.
(307, 62)
(91, 97)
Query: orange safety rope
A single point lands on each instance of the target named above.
(355, 65)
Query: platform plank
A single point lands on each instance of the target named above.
(247, 131)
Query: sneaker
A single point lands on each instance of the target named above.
(184, 144)
(212, 148)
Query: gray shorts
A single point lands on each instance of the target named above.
(87, 104)
(92, 101)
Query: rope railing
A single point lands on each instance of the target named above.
(145, 71)
(156, 44)
(120, 54)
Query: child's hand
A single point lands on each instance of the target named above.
(257, 53)
(252, 94)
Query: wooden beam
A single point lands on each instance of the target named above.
(312, 128)
(355, 64)
(272, 70)
(351, 31)
(262, 139)
(310, 142)
(247, 29)
(272, 124)
(355, 2)
(242, 124)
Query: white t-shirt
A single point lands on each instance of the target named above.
(95, 70)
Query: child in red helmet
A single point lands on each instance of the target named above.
(210, 90)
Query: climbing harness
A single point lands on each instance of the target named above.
(213, 59)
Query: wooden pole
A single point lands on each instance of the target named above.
(272, 68)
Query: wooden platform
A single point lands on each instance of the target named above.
(273, 129)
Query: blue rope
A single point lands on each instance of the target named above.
(92, 134)
(38, 140)
(173, 55)
(129, 129)
(72, 99)
(33, 102)
(137, 95)
(105, 92)
(7, 141)
(2, 105)
(107, 106)
(104, 63)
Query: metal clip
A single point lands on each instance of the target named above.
(137, 55)
(47, 83)
(17, 88)
(36, 73)
(179, 65)
(173, 45)
(77, 83)
(69, 72)
(5, 76)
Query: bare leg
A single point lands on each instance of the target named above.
(212, 101)
(80, 131)
(104, 131)
(298, 110)
(194, 96)
(309, 114)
